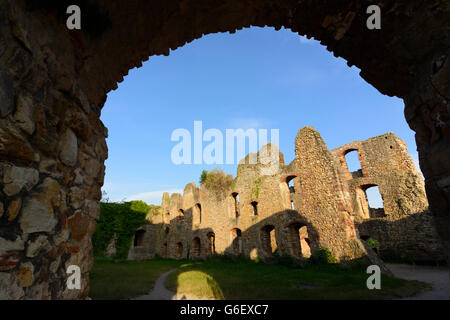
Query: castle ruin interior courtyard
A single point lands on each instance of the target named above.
(54, 83)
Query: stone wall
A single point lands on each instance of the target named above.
(405, 228)
(321, 209)
(54, 82)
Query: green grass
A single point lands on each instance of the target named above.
(221, 278)
(126, 279)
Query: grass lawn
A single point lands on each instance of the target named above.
(126, 279)
(221, 278)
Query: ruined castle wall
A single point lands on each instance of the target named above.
(261, 222)
(406, 227)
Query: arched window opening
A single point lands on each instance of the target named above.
(197, 214)
(139, 238)
(374, 201)
(181, 212)
(236, 241)
(292, 205)
(164, 250)
(353, 163)
(255, 207)
(212, 242)
(196, 248)
(268, 240)
(235, 196)
(179, 250)
(298, 240)
(290, 184)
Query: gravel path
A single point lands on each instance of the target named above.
(438, 276)
(160, 292)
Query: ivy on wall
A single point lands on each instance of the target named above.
(121, 219)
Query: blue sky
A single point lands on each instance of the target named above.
(256, 78)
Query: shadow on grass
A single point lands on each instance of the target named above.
(223, 278)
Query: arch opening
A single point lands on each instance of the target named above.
(179, 250)
(268, 240)
(374, 201)
(139, 238)
(298, 240)
(353, 163)
(235, 206)
(212, 243)
(236, 241)
(196, 248)
(197, 214)
(254, 205)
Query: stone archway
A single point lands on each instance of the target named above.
(53, 85)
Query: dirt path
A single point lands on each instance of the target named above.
(160, 292)
(438, 276)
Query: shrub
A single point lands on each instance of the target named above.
(322, 256)
(121, 219)
(372, 243)
(203, 176)
(218, 182)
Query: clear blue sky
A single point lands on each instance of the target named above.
(255, 78)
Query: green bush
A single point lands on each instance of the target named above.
(372, 243)
(203, 176)
(322, 256)
(121, 219)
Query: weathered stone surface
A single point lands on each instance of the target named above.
(55, 265)
(16, 179)
(76, 196)
(24, 114)
(25, 275)
(13, 145)
(7, 245)
(58, 68)
(93, 209)
(14, 209)
(68, 148)
(50, 167)
(80, 226)
(37, 217)
(9, 289)
(6, 94)
(39, 245)
(2, 209)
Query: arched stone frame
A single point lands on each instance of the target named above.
(164, 250)
(179, 250)
(289, 195)
(211, 236)
(138, 240)
(356, 174)
(196, 248)
(298, 239)
(197, 214)
(234, 203)
(361, 197)
(254, 208)
(268, 240)
(236, 241)
(80, 68)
